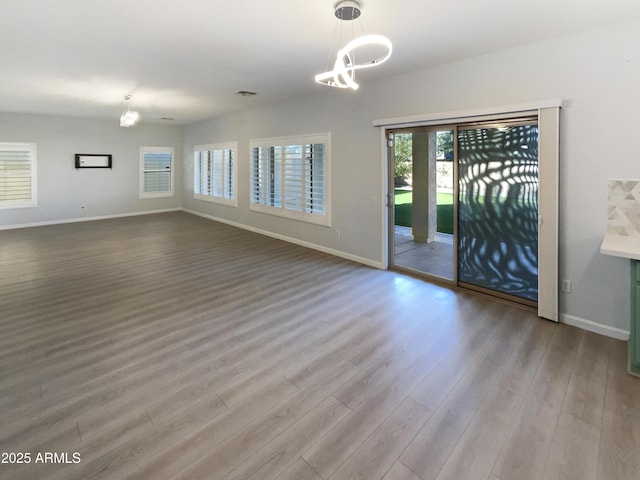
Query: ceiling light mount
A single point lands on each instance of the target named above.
(347, 10)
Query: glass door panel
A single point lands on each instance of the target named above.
(498, 208)
(423, 205)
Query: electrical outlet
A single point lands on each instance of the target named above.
(566, 285)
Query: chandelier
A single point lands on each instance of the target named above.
(345, 66)
(129, 118)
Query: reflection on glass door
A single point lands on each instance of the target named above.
(498, 208)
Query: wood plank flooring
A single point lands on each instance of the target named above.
(172, 347)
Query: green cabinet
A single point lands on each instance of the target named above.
(634, 336)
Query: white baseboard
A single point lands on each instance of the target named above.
(313, 246)
(86, 219)
(595, 327)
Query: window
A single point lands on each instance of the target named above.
(17, 175)
(214, 173)
(289, 177)
(156, 172)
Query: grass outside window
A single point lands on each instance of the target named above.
(403, 210)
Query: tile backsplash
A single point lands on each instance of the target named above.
(623, 202)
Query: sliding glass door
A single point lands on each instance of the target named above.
(486, 237)
(498, 208)
(502, 186)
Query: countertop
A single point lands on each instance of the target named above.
(621, 246)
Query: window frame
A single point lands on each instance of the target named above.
(323, 219)
(212, 147)
(171, 192)
(33, 200)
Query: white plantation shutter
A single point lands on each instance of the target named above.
(17, 175)
(258, 175)
(315, 179)
(289, 177)
(266, 176)
(215, 173)
(293, 177)
(157, 170)
(202, 173)
(156, 177)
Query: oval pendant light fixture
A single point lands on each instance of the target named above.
(343, 73)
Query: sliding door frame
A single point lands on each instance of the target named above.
(548, 113)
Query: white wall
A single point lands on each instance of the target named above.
(63, 189)
(596, 73)
(355, 185)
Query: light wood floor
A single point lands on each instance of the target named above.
(172, 347)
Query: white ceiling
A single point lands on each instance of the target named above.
(185, 59)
